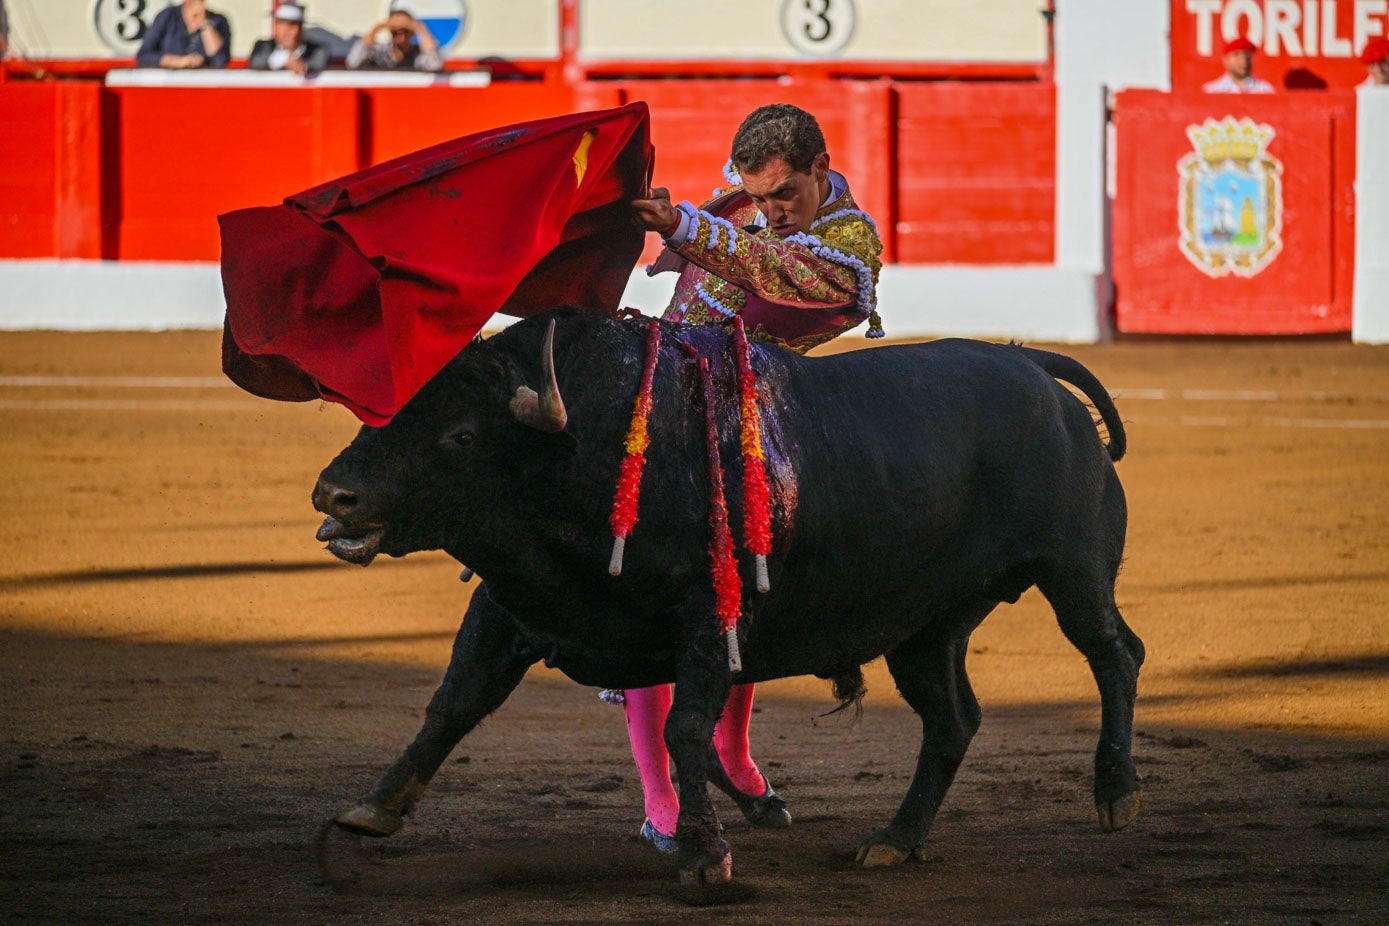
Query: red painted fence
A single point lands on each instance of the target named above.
(954, 172)
(1234, 214)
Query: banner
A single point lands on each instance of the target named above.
(1234, 214)
(1302, 44)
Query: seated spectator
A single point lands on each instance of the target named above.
(1238, 60)
(409, 45)
(288, 50)
(1375, 57)
(188, 35)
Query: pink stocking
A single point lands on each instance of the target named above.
(731, 741)
(646, 710)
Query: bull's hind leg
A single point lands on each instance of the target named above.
(489, 660)
(1085, 609)
(929, 670)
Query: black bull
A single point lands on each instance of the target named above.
(914, 488)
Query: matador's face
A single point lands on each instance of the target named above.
(787, 198)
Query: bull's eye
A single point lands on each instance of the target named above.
(463, 438)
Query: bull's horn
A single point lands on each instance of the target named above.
(545, 411)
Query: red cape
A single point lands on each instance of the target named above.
(360, 290)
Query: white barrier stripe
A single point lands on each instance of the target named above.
(120, 382)
(124, 405)
(1356, 423)
(1195, 421)
(1241, 395)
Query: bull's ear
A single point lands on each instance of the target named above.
(532, 410)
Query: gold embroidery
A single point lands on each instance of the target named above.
(784, 272)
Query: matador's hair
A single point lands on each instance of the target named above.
(779, 130)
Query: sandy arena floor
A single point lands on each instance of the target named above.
(191, 685)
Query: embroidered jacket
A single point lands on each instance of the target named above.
(801, 290)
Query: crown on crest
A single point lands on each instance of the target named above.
(1230, 139)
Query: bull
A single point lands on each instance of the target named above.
(914, 488)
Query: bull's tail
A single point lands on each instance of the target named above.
(1071, 371)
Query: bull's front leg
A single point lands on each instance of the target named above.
(490, 657)
(701, 688)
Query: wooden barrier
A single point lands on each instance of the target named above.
(953, 172)
(1234, 214)
(976, 173)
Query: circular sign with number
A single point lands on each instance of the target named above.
(817, 27)
(121, 24)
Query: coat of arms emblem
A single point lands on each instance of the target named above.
(1230, 198)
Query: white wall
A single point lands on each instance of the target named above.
(93, 295)
(1030, 303)
(1371, 293)
(1101, 47)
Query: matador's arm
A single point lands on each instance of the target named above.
(801, 270)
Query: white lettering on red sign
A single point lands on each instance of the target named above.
(1309, 28)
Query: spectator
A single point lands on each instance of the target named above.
(188, 35)
(288, 50)
(1375, 57)
(409, 45)
(4, 31)
(1238, 59)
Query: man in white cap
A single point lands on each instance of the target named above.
(288, 50)
(1238, 60)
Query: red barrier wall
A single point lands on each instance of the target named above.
(977, 173)
(51, 189)
(953, 172)
(1252, 233)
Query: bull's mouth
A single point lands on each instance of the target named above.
(356, 545)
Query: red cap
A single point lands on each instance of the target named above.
(1375, 50)
(1239, 44)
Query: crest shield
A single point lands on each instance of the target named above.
(1231, 198)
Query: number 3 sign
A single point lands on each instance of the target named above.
(817, 27)
(121, 24)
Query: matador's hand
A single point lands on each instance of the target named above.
(656, 213)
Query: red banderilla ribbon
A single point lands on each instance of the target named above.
(624, 516)
(728, 587)
(757, 508)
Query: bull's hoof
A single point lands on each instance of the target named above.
(881, 855)
(1120, 812)
(886, 848)
(711, 885)
(367, 819)
(718, 873)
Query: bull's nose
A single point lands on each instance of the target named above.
(333, 500)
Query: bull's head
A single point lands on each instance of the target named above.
(443, 469)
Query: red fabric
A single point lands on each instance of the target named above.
(360, 290)
(1239, 44)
